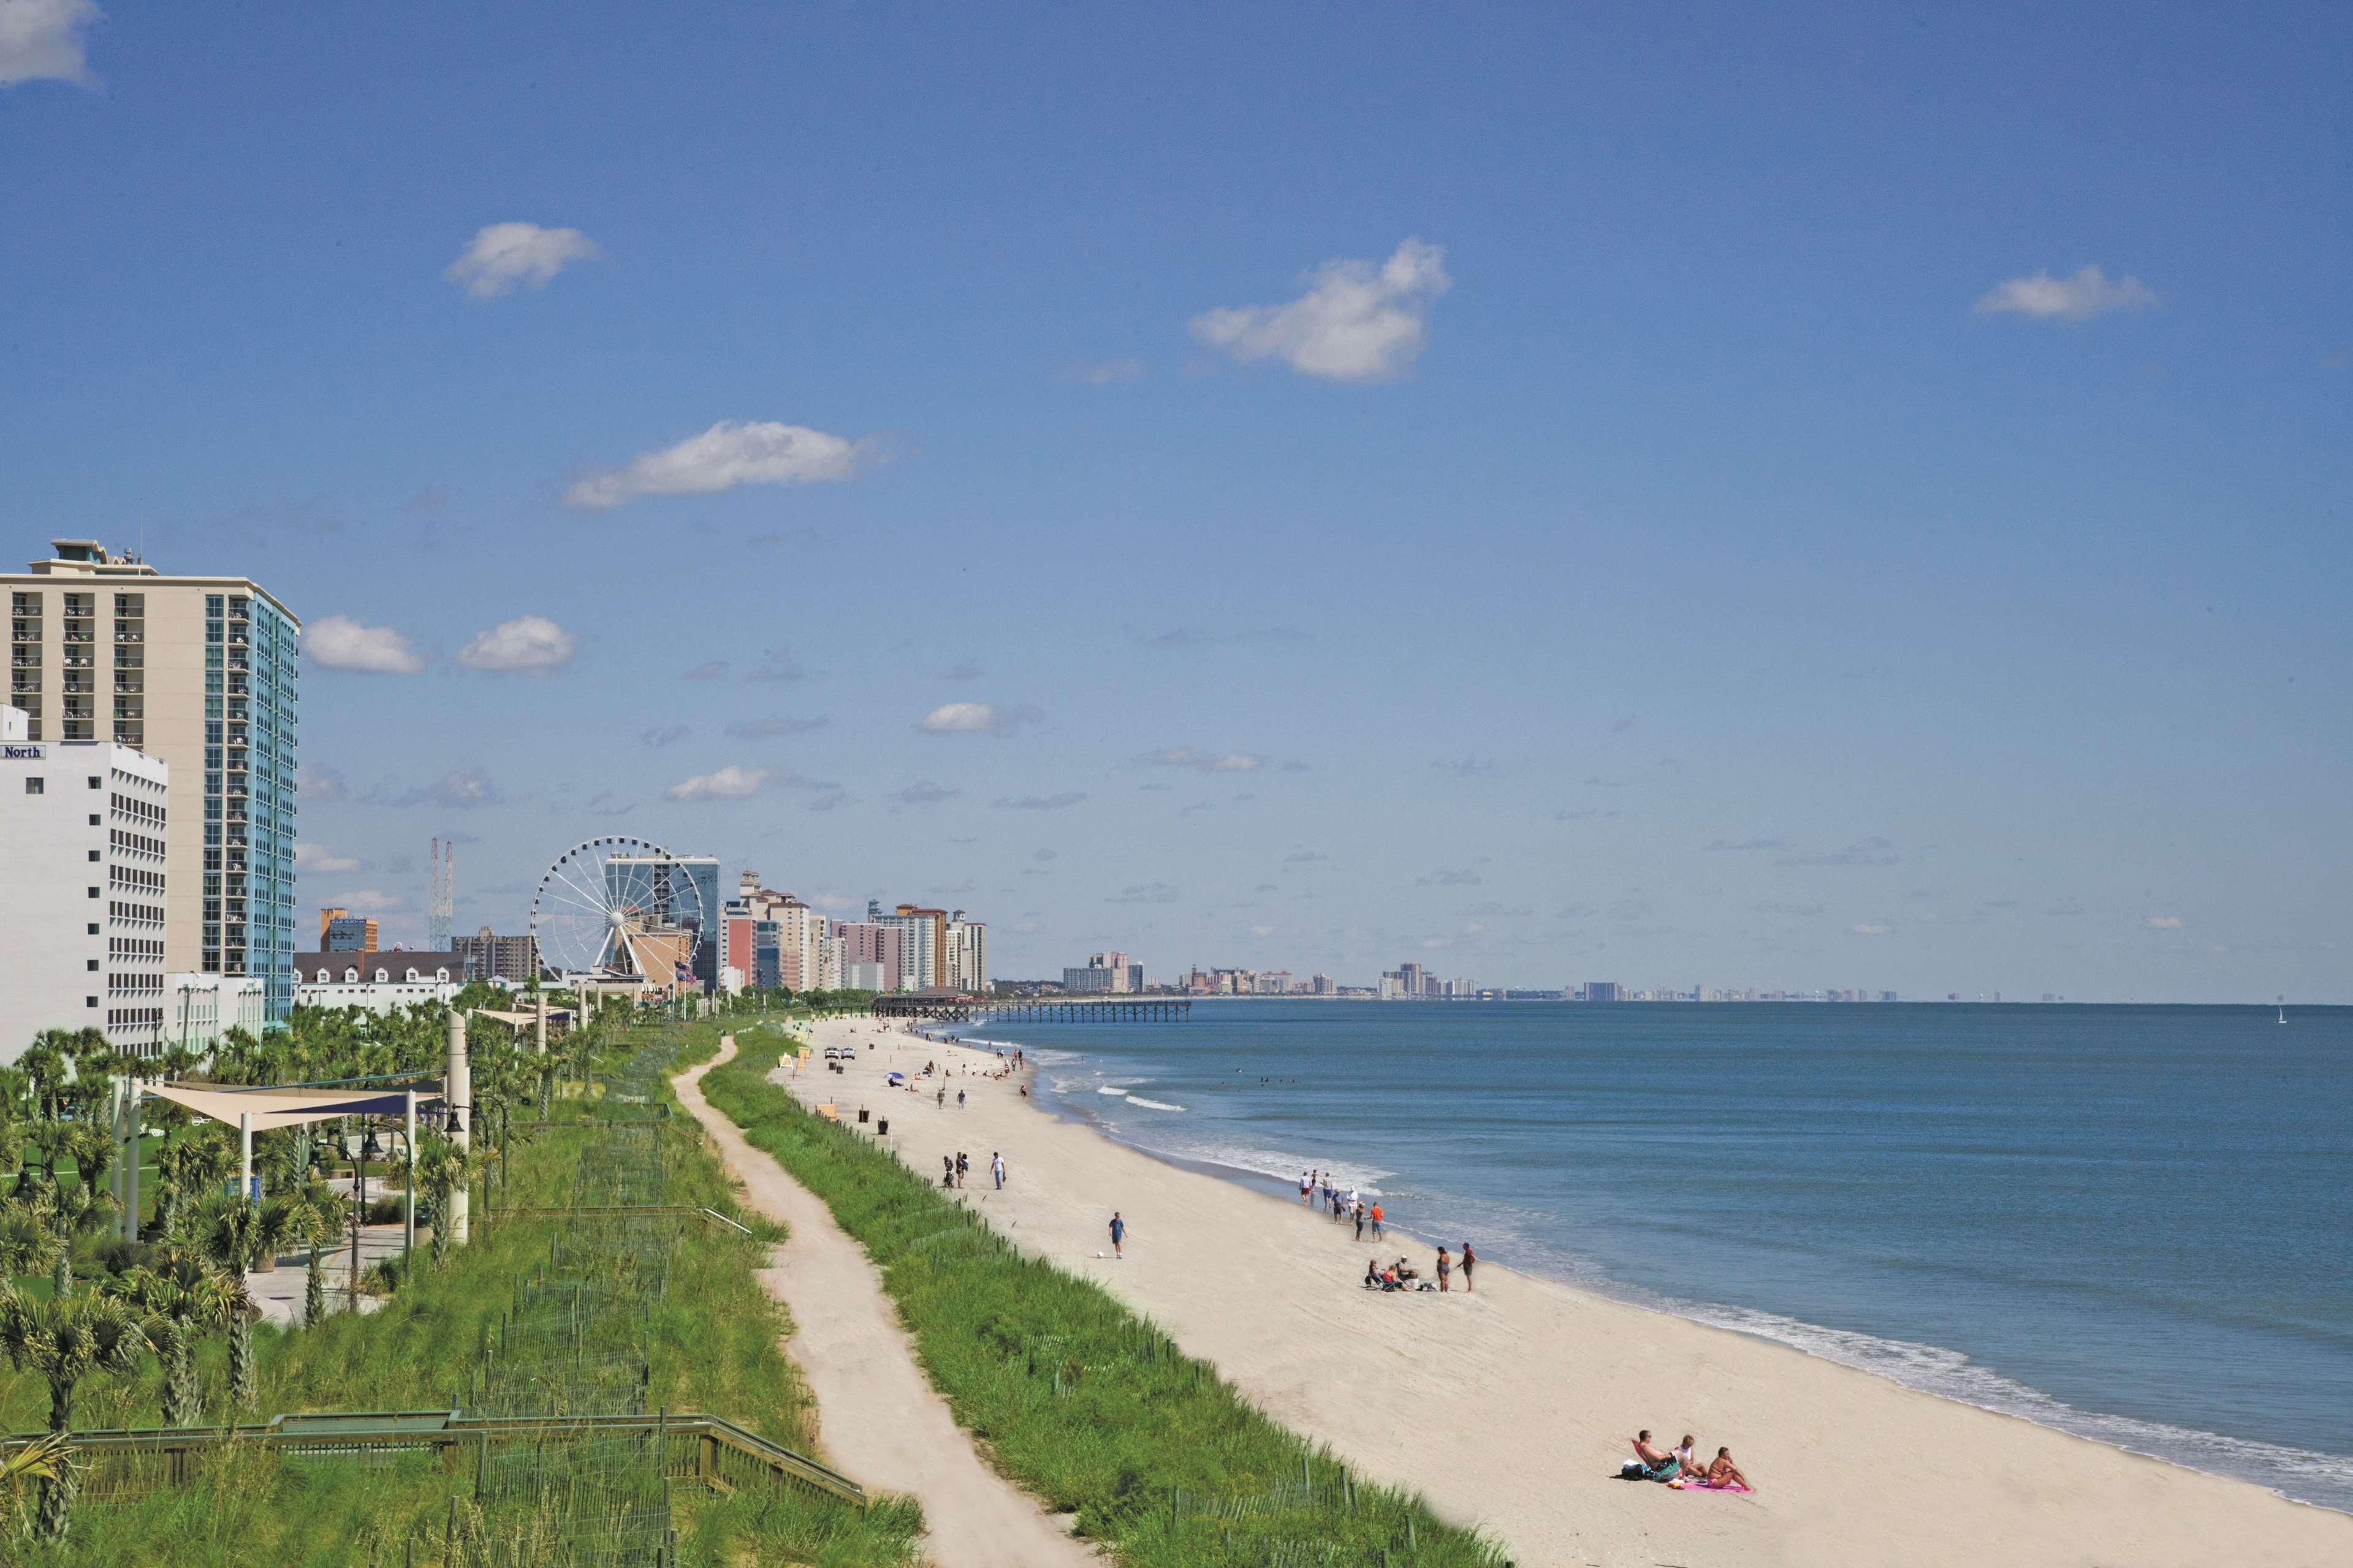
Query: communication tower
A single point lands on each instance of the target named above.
(441, 907)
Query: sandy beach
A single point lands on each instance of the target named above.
(1512, 1407)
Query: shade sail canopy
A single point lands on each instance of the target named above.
(523, 1020)
(287, 1107)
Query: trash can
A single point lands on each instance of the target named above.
(861, 1113)
(883, 1127)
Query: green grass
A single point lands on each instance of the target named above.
(1071, 1394)
(713, 1347)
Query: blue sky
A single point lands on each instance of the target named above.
(1785, 500)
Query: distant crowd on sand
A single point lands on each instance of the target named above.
(1361, 1210)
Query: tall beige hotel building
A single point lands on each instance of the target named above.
(200, 672)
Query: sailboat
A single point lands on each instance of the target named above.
(2282, 1010)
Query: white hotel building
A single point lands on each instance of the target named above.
(83, 839)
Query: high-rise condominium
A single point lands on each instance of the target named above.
(200, 672)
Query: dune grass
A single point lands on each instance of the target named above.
(712, 1346)
(1081, 1401)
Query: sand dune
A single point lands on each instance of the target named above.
(1511, 1408)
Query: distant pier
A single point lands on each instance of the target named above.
(969, 1009)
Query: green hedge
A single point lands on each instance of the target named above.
(1087, 1405)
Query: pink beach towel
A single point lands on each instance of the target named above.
(1690, 1486)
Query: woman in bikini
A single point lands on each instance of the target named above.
(1723, 1472)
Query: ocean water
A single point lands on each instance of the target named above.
(2132, 1223)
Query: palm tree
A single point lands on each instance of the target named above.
(65, 1340)
(199, 1160)
(72, 1210)
(237, 1235)
(183, 1298)
(443, 1169)
(45, 1459)
(318, 1220)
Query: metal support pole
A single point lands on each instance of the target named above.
(459, 1090)
(408, 1218)
(131, 1169)
(244, 1155)
(115, 1177)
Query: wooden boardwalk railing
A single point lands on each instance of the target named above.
(694, 1448)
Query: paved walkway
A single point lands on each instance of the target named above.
(879, 1417)
(278, 1291)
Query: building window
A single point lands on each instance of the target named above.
(36, 786)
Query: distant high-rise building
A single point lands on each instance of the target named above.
(1601, 990)
(489, 956)
(968, 954)
(199, 672)
(340, 930)
(83, 830)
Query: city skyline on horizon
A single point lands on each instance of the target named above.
(1877, 520)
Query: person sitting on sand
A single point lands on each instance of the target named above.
(1372, 1274)
(1648, 1464)
(1724, 1473)
(1404, 1271)
(1683, 1460)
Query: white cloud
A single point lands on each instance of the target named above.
(1207, 762)
(309, 855)
(503, 255)
(731, 453)
(40, 40)
(339, 642)
(528, 645)
(2164, 922)
(977, 718)
(730, 782)
(1355, 322)
(2089, 293)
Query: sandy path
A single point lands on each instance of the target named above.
(1513, 1408)
(877, 1416)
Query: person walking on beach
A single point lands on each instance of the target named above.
(1445, 1269)
(1376, 1220)
(1360, 1221)
(947, 1170)
(1306, 1186)
(1118, 1233)
(959, 1099)
(1469, 1258)
(964, 1164)
(996, 1169)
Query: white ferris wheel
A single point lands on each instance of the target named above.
(621, 906)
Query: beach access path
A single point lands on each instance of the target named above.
(879, 1418)
(1511, 1408)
